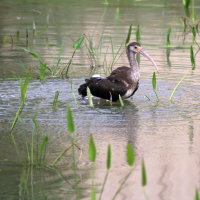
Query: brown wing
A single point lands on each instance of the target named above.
(121, 74)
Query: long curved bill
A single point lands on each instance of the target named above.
(142, 52)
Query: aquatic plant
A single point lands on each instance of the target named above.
(55, 99)
(192, 58)
(77, 44)
(55, 70)
(43, 65)
(138, 34)
(154, 85)
(92, 157)
(143, 174)
(36, 150)
(98, 58)
(168, 43)
(196, 197)
(129, 34)
(89, 95)
(121, 101)
(23, 90)
(130, 158)
(186, 3)
(138, 39)
(108, 166)
(175, 88)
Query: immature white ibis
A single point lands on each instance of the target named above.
(123, 81)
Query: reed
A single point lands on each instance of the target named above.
(154, 85)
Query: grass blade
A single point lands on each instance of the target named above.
(16, 117)
(93, 193)
(186, 3)
(138, 34)
(192, 58)
(43, 68)
(78, 43)
(55, 99)
(70, 121)
(154, 81)
(35, 55)
(89, 95)
(196, 197)
(154, 85)
(130, 154)
(108, 161)
(175, 88)
(129, 34)
(92, 149)
(44, 143)
(23, 88)
(169, 30)
(60, 155)
(121, 101)
(144, 176)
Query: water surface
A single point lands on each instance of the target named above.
(165, 134)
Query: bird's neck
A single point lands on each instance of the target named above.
(133, 62)
(134, 66)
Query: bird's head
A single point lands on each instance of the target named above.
(135, 48)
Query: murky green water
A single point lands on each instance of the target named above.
(165, 134)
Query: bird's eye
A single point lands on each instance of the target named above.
(135, 47)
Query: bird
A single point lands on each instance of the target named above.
(123, 81)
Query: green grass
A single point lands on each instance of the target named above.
(138, 34)
(130, 158)
(143, 174)
(168, 34)
(55, 100)
(37, 148)
(77, 45)
(70, 121)
(154, 82)
(121, 101)
(192, 58)
(129, 34)
(175, 88)
(196, 196)
(23, 91)
(89, 95)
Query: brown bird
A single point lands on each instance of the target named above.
(123, 81)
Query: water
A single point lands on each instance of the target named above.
(165, 134)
